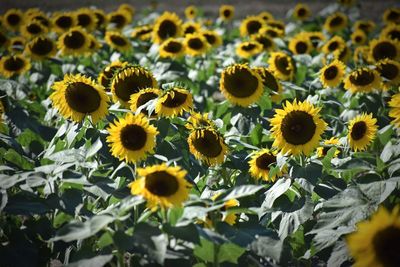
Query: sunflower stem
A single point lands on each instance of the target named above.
(302, 160)
(216, 252)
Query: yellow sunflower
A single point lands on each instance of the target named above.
(191, 27)
(282, 65)
(117, 41)
(161, 185)
(391, 15)
(172, 48)
(270, 81)
(196, 44)
(241, 85)
(394, 111)
(106, 75)
(32, 29)
(86, 19)
(248, 49)
(336, 22)
(361, 54)
(101, 18)
(300, 44)
(173, 102)
(74, 42)
(260, 165)
(167, 25)
(198, 121)
(332, 75)
(142, 32)
(266, 16)
(297, 128)
(316, 38)
(62, 22)
(131, 138)
(212, 37)
(384, 48)
(13, 65)
(129, 80)
(119, 19)
(358, 37)
(94, 46)
(271, 32)
(336, 43)
(277, 24)
(228, 216)
(77, 96)
(251, 25)
(375, 243)
(16, 44)
(389, 71)
(226, 12)
(41, 48)
(391, 31)
(13, 19)
(207, 145)
(301, 12)
(41, 17)
(127, 7)
(362, 130)
(367, 26)
(191, 12)
(143, 97)
(266, 41)
(328, 144)
(4, 40)
(362, 80)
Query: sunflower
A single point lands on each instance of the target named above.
(129, 80)
(367, 26)
(117, 41)
(13, 65)
(174, 102)
(358, 37)
(32, 29)
(276, 24)
(270, 81)
(172, 48)
(300, 44)
(161, 185)
(101, 18)
(266, 16)
(208, 146)
(143, 97)
(332, 75)
(361, 54)
(199, 121)
(336, 43)
(131, 138)
(241, 85)
(391, 15)
(271, 32)
(128, 8)
(282, 65)
(41, 17)
(167, 25)
(362, 80)
(13, 19)
(384, 48)
(4, 41)
(301, 12)
(266, 41)
(64, 21)
(86, 19)
(230, 217)
(328, 144)
(394, 111)
(251, 25)
(41, 48)
(248, 49)
(74, 42)
(316, 38)
(191, 12)
(297, 128)
(342, 55)
(94, 46)
(375, 243)
(196, 44)
(362, 130)
(389, 71)
(260, 165)
(119, 19)
(391, 31)
(16, 44)
(226, 12)
(336, 22)
(191, 27)
(212, 37)
(106, 75)
(143, 32)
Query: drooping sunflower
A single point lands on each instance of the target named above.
(271, 32)
(394, 111)
(191, 27)
(336, 43)
(266, 41)
(77, 96)
(300, 44)
(316, 38)
(342, 55)
(362, 130)
(391, 31)
(128, 8)
(297, 128)
(301, 12)
(86, 19)
(389, 71)
(198, 121)
(143, 97)
(375, 243)
(328, 144)
(196, 44)
(117, 41)
(282, 65)
(131, 138)
(270, 81)
(101, 18)
(251, 25)
(226, 12)
(41, 48)
(248, 49)
(129, 80)
(367, 26)
(191, 12)
(384, 48)
(13, 19)
(16, 44)
(173, 102)
(207, 145)
(336, 22)
(241, 85)
(62, 22)
(167, 25)
(172, 48)
(332, 75)
(212, 37)
(391, 15)
(13, 65)
(161, 185)
(142, 32)
(74, 42)
(32, 29)
(358, 37)
(106, 75)
(119, 18)
(362, 80)
(260, 165)
(361, 54)
(266, 16)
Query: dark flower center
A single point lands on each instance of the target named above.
(161, 183)
(3, 39)
(211, 39)
(269, 80)
(100, 19)
(133, 137)
(82, 97)
(265, 41)
(34, 29)
(13, 19)
(301, 12)
(42, 47)
(384, 50)
(358, 131)
(118, 20)
(208, 144)
(248, 47)
(394, 34)
(386, 245)
(282, 64)
(189, 29)
(226, 13)
(301, 47)
(14, 64)
(265, 160)
(336, 21)
(84, 20)
(331, 72)
(363, 78)
(195, 43)
(167, 29)
(240, 83)
(298, 127)
(173, 47)
(253, 26)
(74, 40)
(64, 22)
(393, 16)
(177, 100)
(388, 71)
(333, 46)
(118, 40)
(144, 98)
(129, 85)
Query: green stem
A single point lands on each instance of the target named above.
(216, 252)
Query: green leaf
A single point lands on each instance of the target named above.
(15, 158)
(278, 189)
(242, 191)
(94, 148)
(227, 252)
(256, 135)
(268, 246)
(230, 252)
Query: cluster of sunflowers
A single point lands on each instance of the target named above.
(303, 85)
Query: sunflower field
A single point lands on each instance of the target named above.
(146, 138)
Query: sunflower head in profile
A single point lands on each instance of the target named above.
(260, 165)
(172, 48)
(271, 82)
(271, 32)
(4, 40)
(316, 38)
(16, 44)
(384, 48)
(391, 15)
(101, 18)
(226, 12)
(282, 65)
(300, 44)
(106, 75)
(358, 37)
(207, 145)
(191, 12)
(41, 17)
(173, 102)
(367, 26)
(362, 131)
(86, 19)
(332, 75)
(199, 121)
(394, 111)
(196, 44)
(301, 12)
(131, 138)
(129, 80)
(74, 42)
(361, 54)
(142, 32)
(336, 22)
(167, 25)
(241, 85)
(362, 80)
(77, 96)
(266, 16)
(116, 40)
(322, 151)
(128, 8)
(191, 27)
(13, 19)
(391, 31)
(212, 37)
(266, 41)
(248, 49)
(13, 65)
(161, 185)
(336, 43)
(375, 242)
(41, 48)
(297, 128)
(389, 71)
(32, 29)
(94, 46)
(119, 19)
(251, 25)
(62, 22)
(143, 97)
